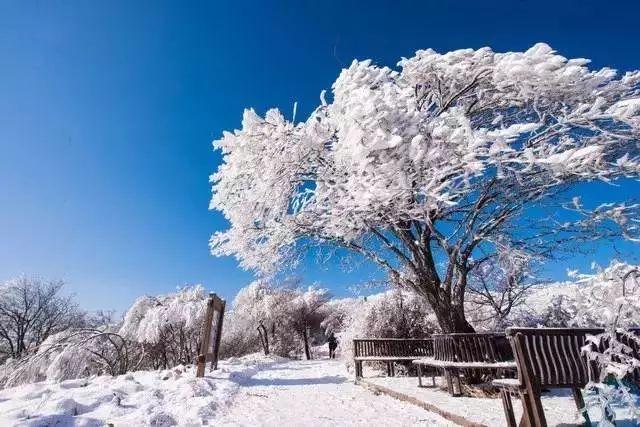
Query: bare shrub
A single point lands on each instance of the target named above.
(31, 310)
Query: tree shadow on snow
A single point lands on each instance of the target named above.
(61, 420)
(254, 382)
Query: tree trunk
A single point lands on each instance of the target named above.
(305, 339)
(264, 338)
(448, 308)
(451, 318)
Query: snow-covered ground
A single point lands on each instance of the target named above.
(318, 393)
(250, 391)
(559, 406)
(160, 398)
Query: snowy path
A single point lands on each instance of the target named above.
(253, 390)
(317, 393)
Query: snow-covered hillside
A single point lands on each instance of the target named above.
(164, 397)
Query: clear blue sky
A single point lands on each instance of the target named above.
(108, 110)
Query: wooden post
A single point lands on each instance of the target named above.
(210, 339)
(221, 306)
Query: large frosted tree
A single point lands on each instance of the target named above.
(432, 169)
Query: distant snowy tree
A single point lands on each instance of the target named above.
(304, 313)
(435, 162)
(31, 310)
(168, 326)
(496, 287)
(561, 313)
(253, 306)
(156, 332)
(337, 314)
(287, 315)
(391, 314)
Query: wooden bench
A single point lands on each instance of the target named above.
(546, 358)
(389, 350)
(467, 353)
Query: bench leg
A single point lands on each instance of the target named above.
(358, 369)
(527, 413)
(577, 397)
(533, 413)
(507, 404)
(388, 369)
(419, 369)
(447, 375)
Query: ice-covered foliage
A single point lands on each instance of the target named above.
(602, 299)
(254, 304)
(588, 300)
(74, 353)
(338, 314)
(305, 314)
(436, 160)
(156, 332)
(616, 352)
(146, 320)
(291, 316)
(391, 314)
(168, 326)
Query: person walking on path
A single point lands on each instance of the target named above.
(333, 344)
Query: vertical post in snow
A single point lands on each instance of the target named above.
(211, 334)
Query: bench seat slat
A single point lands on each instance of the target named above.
(430, 361)
(385, 358)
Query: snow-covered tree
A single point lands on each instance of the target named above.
(427, 170)
(283, 314)
(304, 313)
(73, 353)
(31, 310)
(254, 306)
(162, 331)
(168, 326)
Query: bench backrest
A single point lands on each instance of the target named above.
(471, 347)
(392, 347)
(551, 357)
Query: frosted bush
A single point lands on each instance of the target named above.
(613, 302)
(167, 326)
(600, 301)
(75, 353)
(147, 319)
(392, 314)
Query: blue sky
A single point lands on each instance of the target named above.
(108, 110)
